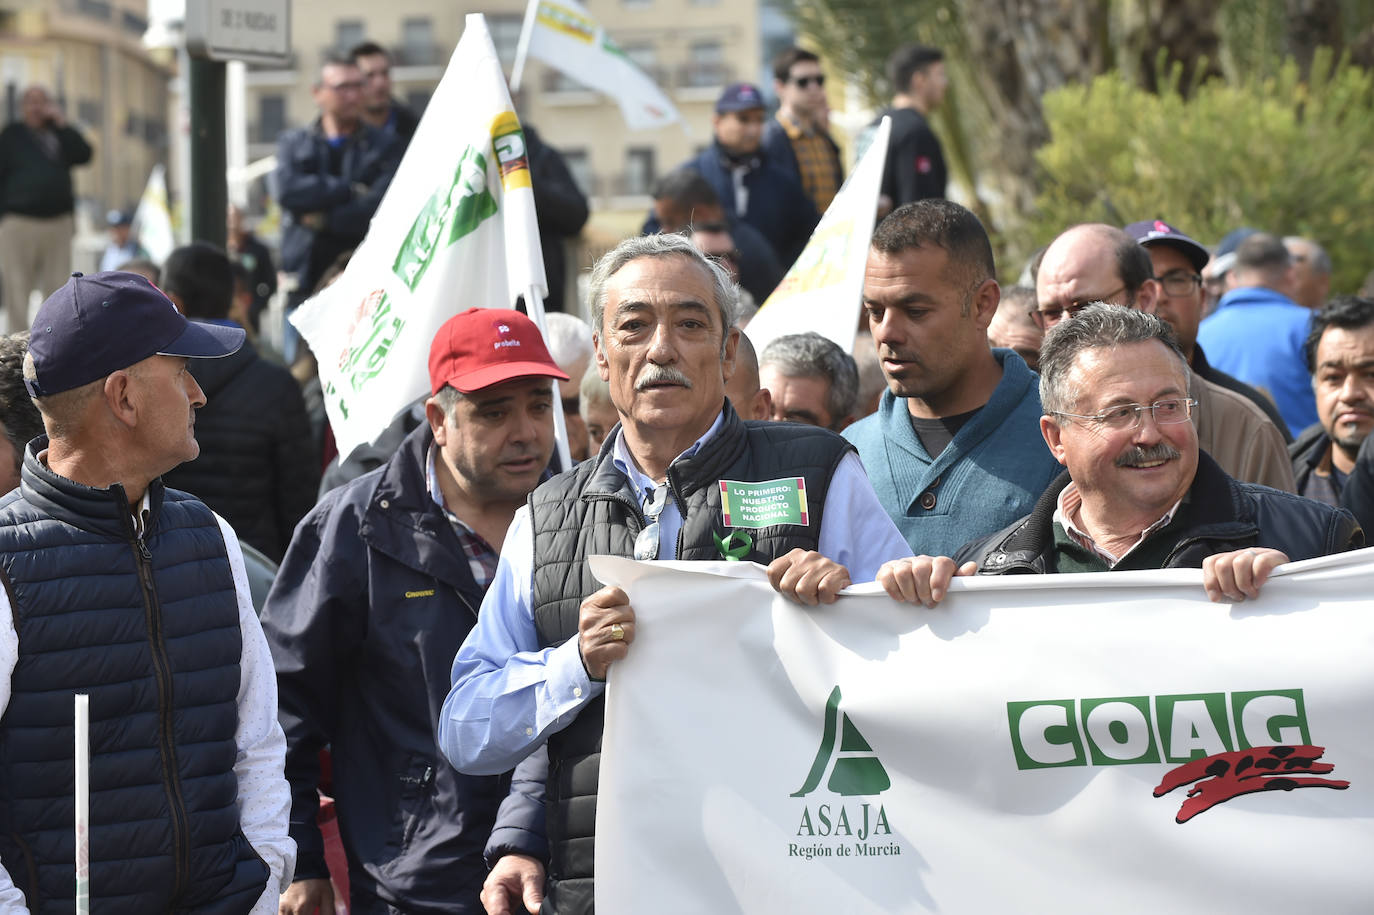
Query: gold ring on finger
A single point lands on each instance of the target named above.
(617, 631)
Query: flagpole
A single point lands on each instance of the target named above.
(534, 307)
(522, 49)
(82, 728)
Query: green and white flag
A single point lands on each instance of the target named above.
(562, 34)
(153, 218)
(823, 292)
(1074, 744)
(456, 230)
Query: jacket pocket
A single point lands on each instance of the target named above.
(416, 793)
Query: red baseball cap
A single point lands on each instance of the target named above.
(485, 346)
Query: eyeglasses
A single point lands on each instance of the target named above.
(646, 544)
(355, 86)
(804, 82)
(1177, 282)
(1127, 415)
(1045, 318)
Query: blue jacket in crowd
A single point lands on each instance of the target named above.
(1257, 335)
(343, 182)
(988, 476)
(372, 601)
(778, 207)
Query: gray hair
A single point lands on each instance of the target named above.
(810, 355)
(1316, 255)
(593, 389)
(448, 399)
(570, 340)
(1099, 325)
(631, 249)
(62, 411)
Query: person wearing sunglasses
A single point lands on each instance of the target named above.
(532, 672)
(1096, 262)
(797, 139)
(1137, 492)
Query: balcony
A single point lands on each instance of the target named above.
(704, 75)
(418, 55)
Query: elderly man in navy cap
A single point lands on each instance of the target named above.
(750, 187)
(134, 595)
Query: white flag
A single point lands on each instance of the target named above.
(564, 35)
(456, 230)
(823, 292)
(1075, 744)
(153, 219)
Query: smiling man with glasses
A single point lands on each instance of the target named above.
(797, 140)
(682, 477)
(1137, 493)
(1095, 262)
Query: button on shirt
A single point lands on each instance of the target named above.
(509, 695)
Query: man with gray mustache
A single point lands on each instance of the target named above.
(1137, 493)
(681, 477)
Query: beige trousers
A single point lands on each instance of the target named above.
(34, 254)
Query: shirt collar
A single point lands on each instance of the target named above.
(620, 455)
(795, 130)
(1067, 506)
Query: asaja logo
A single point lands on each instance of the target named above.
(854, 768)
(848, 767)
(1229, 743)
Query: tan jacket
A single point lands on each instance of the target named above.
(1240, 438)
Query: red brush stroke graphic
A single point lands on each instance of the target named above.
(1240, 772)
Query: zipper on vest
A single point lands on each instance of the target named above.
(162, 669)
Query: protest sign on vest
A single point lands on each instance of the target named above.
(1071, 743)
(823, 291)
(456, 230)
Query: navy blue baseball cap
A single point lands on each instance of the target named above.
(1158, 232)
(739, 97)
(98, 324)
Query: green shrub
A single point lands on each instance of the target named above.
(1278, 154)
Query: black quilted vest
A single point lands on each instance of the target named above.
(594, 509)
(149, 628)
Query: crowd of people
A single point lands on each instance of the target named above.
(410, 719)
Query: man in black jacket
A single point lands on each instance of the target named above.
(379, 587)
(36, 198)
(257, 467)
(1138, 493)
(915, 166)
(380, 109)
(1340, 356)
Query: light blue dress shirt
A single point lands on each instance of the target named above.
(509, 695)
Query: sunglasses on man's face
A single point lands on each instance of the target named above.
(805, 82)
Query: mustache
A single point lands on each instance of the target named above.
(1137, 456)
(661, 374)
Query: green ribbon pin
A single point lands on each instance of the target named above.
(734, 546)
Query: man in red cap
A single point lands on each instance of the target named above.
(379, 587)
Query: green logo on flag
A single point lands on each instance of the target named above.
(452, 211)
(763, 504)
(856, 770)
(374, 331)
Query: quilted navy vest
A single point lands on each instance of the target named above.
(594, 509)
(148, 628)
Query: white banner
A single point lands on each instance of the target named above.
(562, 34)
(456, 230)
(1069, 743)
(152, 225)
(823, 292)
